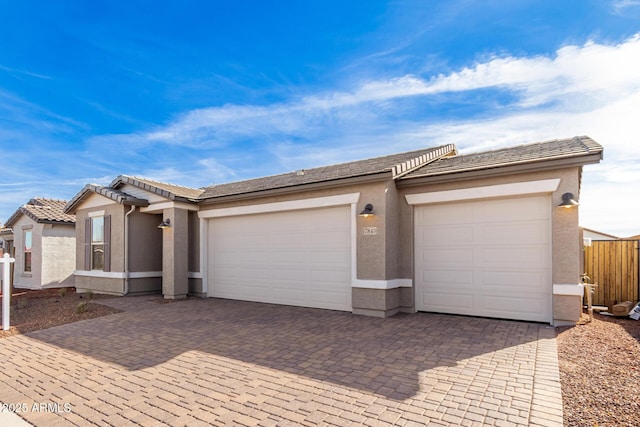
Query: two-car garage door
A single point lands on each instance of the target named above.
(485, 258)
(300, 258)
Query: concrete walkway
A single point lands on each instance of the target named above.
(219, 362)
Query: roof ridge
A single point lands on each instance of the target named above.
(138, 178)
(410, 165)
(315, 168)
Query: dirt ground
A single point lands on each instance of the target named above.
(35, 310)
(600, 372)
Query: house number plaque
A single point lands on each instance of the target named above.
(369, 231)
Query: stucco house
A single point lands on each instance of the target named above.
(41, 238)
(491, 234)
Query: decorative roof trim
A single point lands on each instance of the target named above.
(155, 187)
(115, 195)
(409, 166)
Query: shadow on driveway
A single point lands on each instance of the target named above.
(382, 356)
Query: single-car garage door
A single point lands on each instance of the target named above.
(485, 258)
(300, 258)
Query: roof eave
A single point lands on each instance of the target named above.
(300, 188)
(14, 217)
(54, 222)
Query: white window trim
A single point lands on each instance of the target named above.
(486, 192)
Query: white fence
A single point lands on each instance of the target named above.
(5, 263)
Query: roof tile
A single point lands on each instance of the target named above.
(43, 210)
(321, 174)
(522, 154)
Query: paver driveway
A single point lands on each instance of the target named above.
(219, 362)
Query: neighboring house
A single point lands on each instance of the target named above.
(636, 237)
(429, 230)
(41, 238)
(6, 240)
(597, 235)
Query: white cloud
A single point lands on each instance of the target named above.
(620, 6)
(593, 89)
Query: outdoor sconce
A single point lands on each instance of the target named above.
(567, 201)
(367, 211)
(166, 223)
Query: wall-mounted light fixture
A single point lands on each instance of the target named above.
(166, 223)
(567, 201)
(367, 211)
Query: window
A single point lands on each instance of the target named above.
(97, 243)
(97, 239)
(28, 241)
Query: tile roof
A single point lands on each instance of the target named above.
(392, 164)
(163, 189)
(110, 193)
(42, 210)
(523, 154)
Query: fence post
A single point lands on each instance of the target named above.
(6, 261)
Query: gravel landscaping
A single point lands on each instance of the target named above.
(600, 372)
(35, 310)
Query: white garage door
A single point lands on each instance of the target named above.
(485, 258)
(300, 258)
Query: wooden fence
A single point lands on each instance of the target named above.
(613, 265)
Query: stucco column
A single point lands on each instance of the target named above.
(175, 250)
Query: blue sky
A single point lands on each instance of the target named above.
(203, 92)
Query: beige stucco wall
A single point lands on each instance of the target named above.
(99, 285)
(194, 242)
(145, 242)
(58, 255)
(117, 212)
(175, 253)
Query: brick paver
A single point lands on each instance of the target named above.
(219, 362)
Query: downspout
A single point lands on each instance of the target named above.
(126, 250)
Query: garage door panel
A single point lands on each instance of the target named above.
(434, 236)
(296, 258)
(496, 305)
(329, 239)
(323, 276)
(519, 232)
(439, 215)
(509, 280)
(447, 277)
(515, 257)
(521, 208)
(447, 257)
(490, 259)
(339, 257)
(448, 302)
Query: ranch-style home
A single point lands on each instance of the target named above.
(42, 238)
(490, 234)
